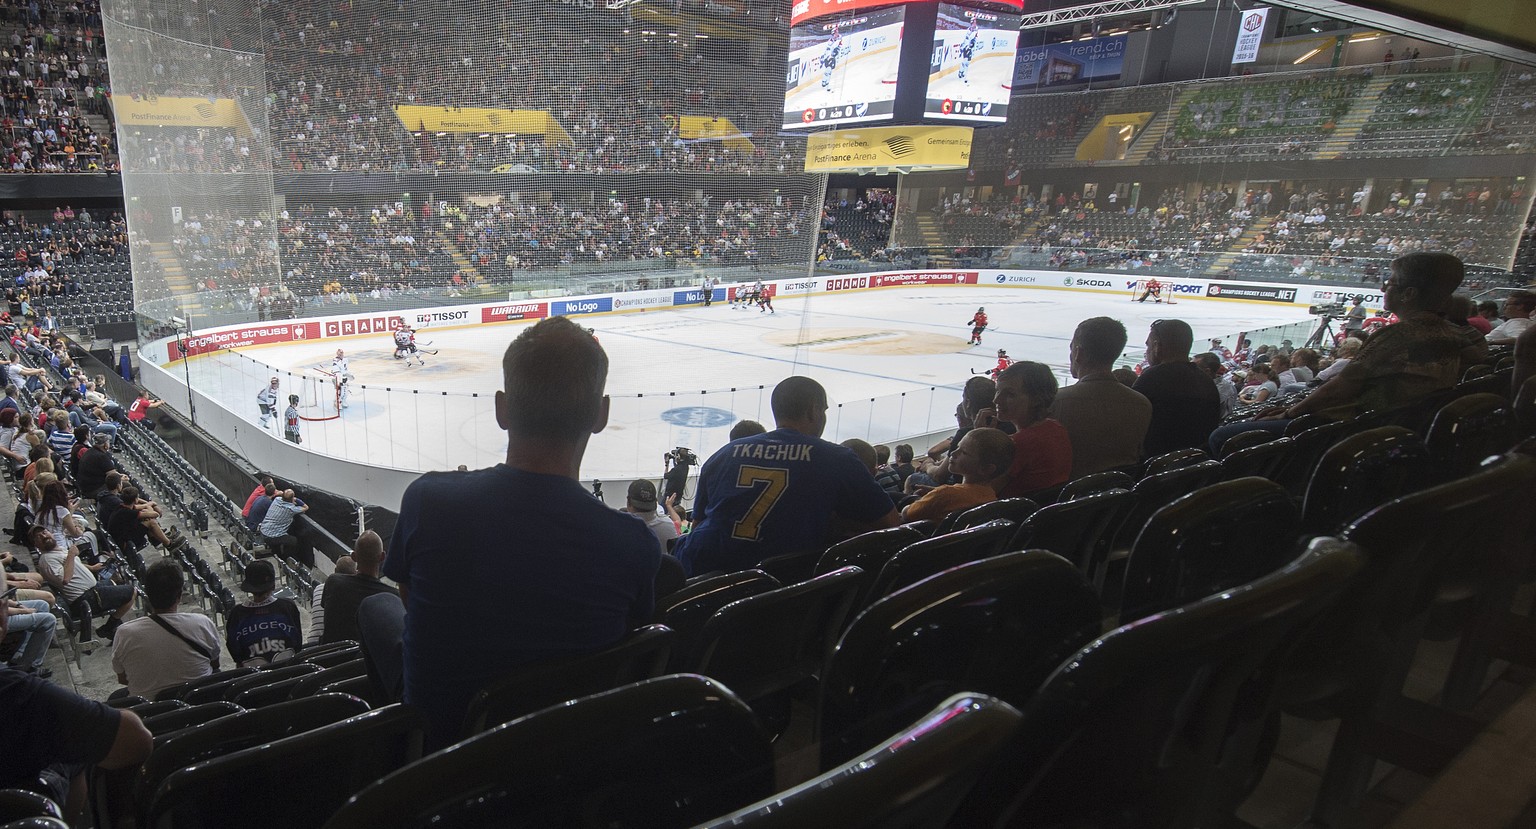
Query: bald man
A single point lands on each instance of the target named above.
(344, 592)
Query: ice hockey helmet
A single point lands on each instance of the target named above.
(293, 400)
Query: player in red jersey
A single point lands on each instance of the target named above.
(1154, 289)
(1002, 362)
(978, 324)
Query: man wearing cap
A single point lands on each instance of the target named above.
(263, 627)
(641, 502)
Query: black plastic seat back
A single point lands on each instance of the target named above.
(295, 781)
(227, 735)
(1177, 459)
(1009, 509)
(1211, 540)
(1494, 382)
(1094, 484)
(1243, 440)
(165, 725)
(1361, 472)
(19, 804)
(1078, 530)
(1408, 543)
(688, 610)
(913, 779)
(868, 551)
(181, 691)
(937, 554)
(1259, 461)
(1307, 449)
(1158, 490)
(997, 626)
(640, 655)
(286, 670)
(332, 658)
(1128, 731)
(770, 642)
(149, 709)
(791, 568)
(1467, 431)
(310, 685)
(672, 751)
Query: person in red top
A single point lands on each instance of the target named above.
(260, 490)
(1042, 449)
(1154, 289)
(978, 324)
(139, 408)
(1002, 363)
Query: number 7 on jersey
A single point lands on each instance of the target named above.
(750, 526)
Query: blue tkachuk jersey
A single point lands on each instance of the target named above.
(775, 493)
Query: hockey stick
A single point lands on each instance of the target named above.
(431, 351)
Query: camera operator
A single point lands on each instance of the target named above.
(677, 463)
(1354, 319)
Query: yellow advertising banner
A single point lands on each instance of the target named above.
(903, 148)
(178, 112)
(698, 127)
(1112, 136)
(472, 120)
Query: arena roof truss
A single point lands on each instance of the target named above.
(1112, 8)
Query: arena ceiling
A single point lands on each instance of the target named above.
(1502, 28)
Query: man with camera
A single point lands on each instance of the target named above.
(677, 463)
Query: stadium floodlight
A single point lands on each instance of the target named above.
(179, 322)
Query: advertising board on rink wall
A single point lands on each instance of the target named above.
(376, 323)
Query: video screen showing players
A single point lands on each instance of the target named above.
(970, 76)
(843, 70)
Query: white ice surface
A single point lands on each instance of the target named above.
(892, 361)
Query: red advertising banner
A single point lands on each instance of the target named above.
(886, 280)
(367, 325)
(812, 9)
(276, 332)
(515, 311)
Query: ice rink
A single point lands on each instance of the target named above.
(891, 359)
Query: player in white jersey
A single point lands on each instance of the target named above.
(405, 346)
(968, 48)
(830, 55)
(266, 401)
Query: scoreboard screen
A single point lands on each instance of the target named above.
(970, 73)
(843, 69)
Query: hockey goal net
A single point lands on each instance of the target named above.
(1143, 291)
(317, 396)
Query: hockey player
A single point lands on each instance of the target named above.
(339, 365)
(343, 385)
(1154, 289)
(405, 346)
(291, 419)
(1002, 363)
(978, 324)
(266, 401)
(968, 48)
(829, 56)
(764, 298)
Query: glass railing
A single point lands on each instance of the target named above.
(412, 429)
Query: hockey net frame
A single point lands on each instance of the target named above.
(1165, 299)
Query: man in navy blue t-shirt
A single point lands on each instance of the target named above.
(518, 563)
(778, 492)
